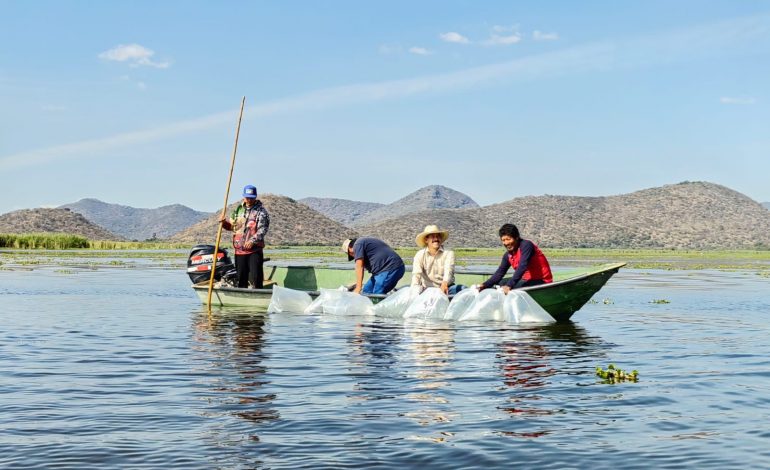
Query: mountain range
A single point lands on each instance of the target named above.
(692, 215)
(137, 224)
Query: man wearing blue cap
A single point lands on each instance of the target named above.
(249, 223)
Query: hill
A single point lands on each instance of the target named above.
(767, 205)
(691, 215)
(53, 221)
(427, 198)
(137, 224)
(291, 223)
(343, 211)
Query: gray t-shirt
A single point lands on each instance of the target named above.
(377, 255)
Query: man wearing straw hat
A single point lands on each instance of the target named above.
(434, 266)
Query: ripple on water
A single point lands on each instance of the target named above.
(127, 370)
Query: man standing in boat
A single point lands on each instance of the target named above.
(530, 267)
(249, 223)
(384, 264)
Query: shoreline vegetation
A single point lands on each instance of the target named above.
(57, 249)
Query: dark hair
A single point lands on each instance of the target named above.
(510, 230)
(352, 242)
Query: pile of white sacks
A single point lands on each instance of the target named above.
(469, 304)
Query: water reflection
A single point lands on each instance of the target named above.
(577, 337)
(431, 348)
(374, 356)
(235, 343)
(528, 369)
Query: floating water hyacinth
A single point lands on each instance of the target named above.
(614, 375)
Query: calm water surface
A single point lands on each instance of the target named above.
(123, 368)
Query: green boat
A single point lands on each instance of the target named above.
(561, 298)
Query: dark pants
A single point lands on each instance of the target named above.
(531, 282)
(250, 271)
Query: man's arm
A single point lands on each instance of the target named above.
(498, 275)
(263, 225)
(359, 275)
(417, 269)
(449, 271)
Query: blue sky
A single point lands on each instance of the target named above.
(136, 102)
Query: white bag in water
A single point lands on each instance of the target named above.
(432, 303)
(460, 303)
(348, 303)
(487, 306)
(317, 306)
(395, 305)
(520, 307)
(288, 300)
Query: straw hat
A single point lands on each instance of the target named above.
(348, 244)
(420, 239)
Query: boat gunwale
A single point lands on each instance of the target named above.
(614, 267)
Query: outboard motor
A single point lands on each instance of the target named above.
(199, 265)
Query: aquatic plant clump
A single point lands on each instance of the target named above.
(614, 375)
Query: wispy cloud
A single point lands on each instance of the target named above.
(739, 100)
(134, 54)
(702, 41)
(387, 49)
(454, 37)
(541, 36)
(502, 40)
(139, 84)
(420, 51)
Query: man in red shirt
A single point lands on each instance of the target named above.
(530, 267)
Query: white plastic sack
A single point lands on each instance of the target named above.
(288, 300)
(395, 305)
(460, 303)
(487, 306)
(326, 294)
(520, 307)
(432, 303)
(347, 303)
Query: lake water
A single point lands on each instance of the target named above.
(123, 368)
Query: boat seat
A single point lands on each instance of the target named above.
(267, 283)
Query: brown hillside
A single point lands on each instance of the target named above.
(53, 221)
(690, 215)
(291, 223)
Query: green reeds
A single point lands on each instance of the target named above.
(45, 241)
(63, 241)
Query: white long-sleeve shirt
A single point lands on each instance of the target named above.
(431, 271)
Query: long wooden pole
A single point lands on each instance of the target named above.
(224, 209)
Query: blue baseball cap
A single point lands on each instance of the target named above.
(250, 191)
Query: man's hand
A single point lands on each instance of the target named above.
(506, 289)
(445, 288)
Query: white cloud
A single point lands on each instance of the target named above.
(742, 100)
(454, 37)
(504, 29)
(541, 36)
(420, 51)
(503, 36)
(134, 54)
(498, 40)
(704, 41)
